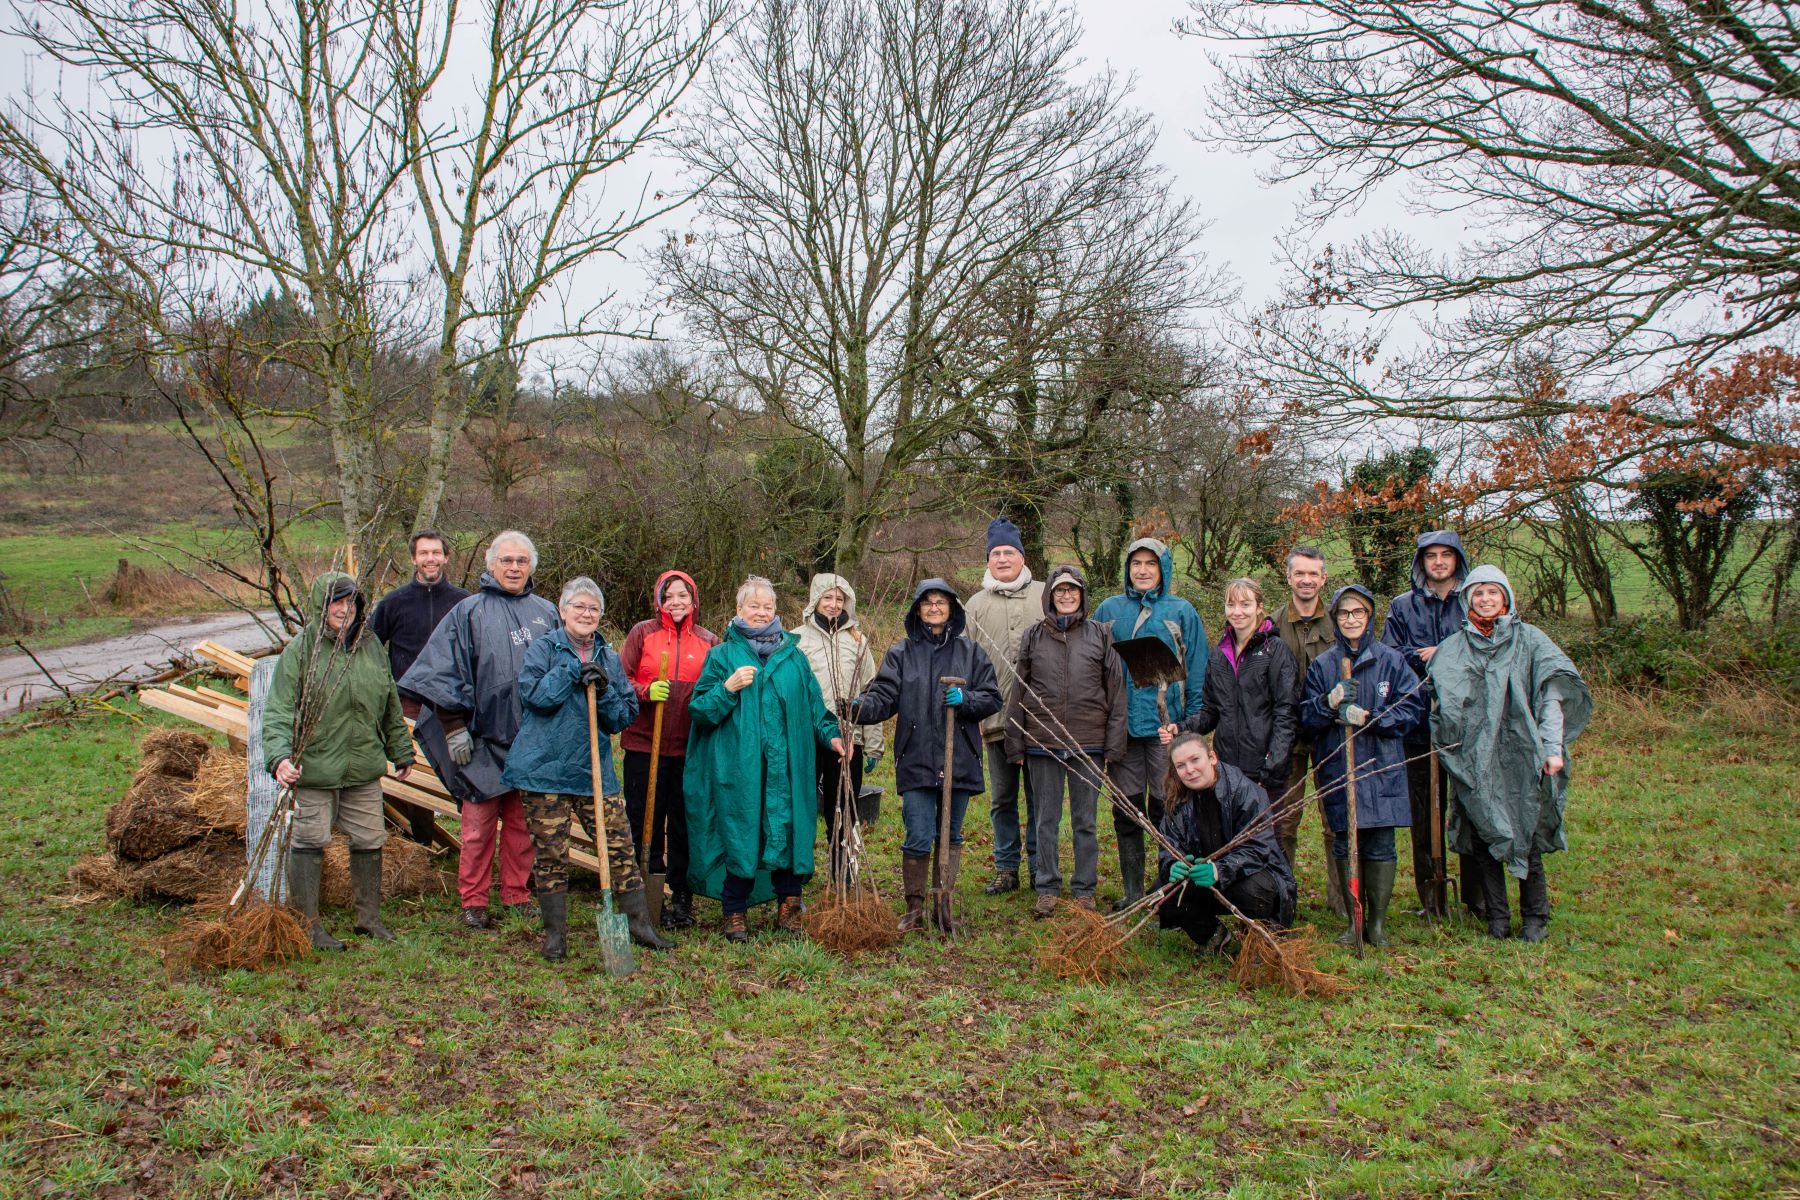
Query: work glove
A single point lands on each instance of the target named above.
(1196, 871)
(593, 674)
(953, 696)
(1354, 714)
(1338, 695)
(659, 691)
(462, 747)
(870, 762)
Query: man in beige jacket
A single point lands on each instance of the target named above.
(1009, 602)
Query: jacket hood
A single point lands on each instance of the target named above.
(490, 584)
(1066, 573)
(1487, 573)
(823, 583)
(1161, 550)
(1438, 537)
(662, 583)
(915, 626)
(1337, 597)
(336, 585)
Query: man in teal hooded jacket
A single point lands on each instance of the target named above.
(1148, 608)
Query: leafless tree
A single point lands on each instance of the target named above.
(868, 165)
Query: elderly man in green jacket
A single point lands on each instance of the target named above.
(332, 725)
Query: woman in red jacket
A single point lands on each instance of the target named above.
(662, 658)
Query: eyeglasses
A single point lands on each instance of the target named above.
(586, 610)
(513, 562)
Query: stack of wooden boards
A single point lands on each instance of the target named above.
(230, 715)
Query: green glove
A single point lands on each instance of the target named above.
(1193, 870)
(659, 691)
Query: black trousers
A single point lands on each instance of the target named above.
(667, 853)
(830, 770)
(1197, 911)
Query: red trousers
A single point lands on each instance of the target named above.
(475, 868)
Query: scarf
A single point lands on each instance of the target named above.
(1485, 625)
(830, 624)
(762, 638)
(990, 584)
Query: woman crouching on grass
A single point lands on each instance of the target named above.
(1250, 702)
(1210, 804)
(550, 766)
(1509, 702)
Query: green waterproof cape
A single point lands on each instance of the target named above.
(1484, 725)
(750, 782)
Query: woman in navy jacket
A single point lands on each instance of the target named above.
(1383, 701)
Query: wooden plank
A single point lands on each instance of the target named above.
(224, 698)
(223, 720)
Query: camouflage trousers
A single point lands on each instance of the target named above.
(549, 816)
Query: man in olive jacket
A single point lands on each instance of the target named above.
(331, 726)
(1307, 629)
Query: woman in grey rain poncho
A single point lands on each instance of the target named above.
(1508, 705)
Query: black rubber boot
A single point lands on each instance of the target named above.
(1337, 888)
(365, 894)
(915, 876)
(636, 907)
(1534, 902)
(1131, 868)
(555, 907)
(304, 869)
(1475, 878)
(1378, 890)
(1340, 888)
(1492, 890)
(678, 913)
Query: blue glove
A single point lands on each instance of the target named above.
(872, 761)
(953, 696)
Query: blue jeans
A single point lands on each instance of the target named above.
(919, 809)
(1376, 845)
(1005, 781)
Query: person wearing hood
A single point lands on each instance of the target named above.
(1251, 696)
(908, 687)
(758, 723)
(403, 620)
(1148, 607)
(1065, 722)
(838, 652)
(1509, 705)
(468, 678)
(551, 767)
(1416, 623)
(1010, 602)
(1212, 803)
(663, 657)
(330, 726)
(1380, 703)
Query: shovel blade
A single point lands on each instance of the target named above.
(653, 889)
(1151, 661)
(615, 938)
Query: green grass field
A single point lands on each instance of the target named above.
(1646, 1049)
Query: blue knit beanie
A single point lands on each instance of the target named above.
(1002, 532)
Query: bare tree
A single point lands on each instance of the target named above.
(510, 177)
(869, 164)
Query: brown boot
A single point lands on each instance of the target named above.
(735, 928)
(1290, 850)
(915, 873)
(787, 918)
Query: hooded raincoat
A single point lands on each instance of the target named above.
(1490, 732)
(1395, 700)
(1158, 613)
(1419, 618)
(469, 670)
(1071, 684)
(907, 687)
(550, 754)
(841, 658)
(1240, 803)
(686, 642)
(359, 728)
(751, 782)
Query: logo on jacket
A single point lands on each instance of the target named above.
(1381, 691)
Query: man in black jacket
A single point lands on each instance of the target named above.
(1210, 803)
(404, 620)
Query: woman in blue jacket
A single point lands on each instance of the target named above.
(550, 767)
(1382, 702)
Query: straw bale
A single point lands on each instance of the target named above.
(174, 752)
(219, 791)
(101, 877)
(407, 869)
(154, 818)
(213, 864)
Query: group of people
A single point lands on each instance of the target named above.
(733, 746)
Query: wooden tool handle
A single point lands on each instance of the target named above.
(594, 771)
(662, 672)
